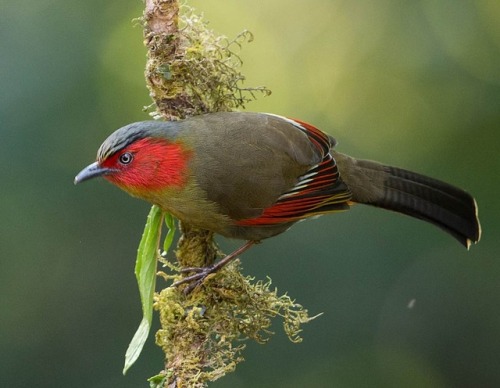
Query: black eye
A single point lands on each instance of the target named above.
(126, 158)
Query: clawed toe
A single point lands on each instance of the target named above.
(193, 269)
(200, 273)
(194, 280)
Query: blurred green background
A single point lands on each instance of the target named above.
(414, 84)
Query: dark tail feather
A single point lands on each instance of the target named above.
(392, 188)
(444, 205)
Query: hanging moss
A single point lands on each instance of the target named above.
(217, 316)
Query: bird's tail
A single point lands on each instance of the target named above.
(403, 191)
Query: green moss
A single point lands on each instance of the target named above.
(216, 318)
(197, 71)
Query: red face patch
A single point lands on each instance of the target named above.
(149, 164)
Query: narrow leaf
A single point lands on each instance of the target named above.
(145, 272)
(137, 343)
(169, 238)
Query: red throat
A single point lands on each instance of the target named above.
(156, 164)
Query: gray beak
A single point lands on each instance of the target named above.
(91, 171)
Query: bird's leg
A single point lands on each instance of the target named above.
(202, 272)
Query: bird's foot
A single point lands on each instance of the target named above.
(194, 280)
(200, 273)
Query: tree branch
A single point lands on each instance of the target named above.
(190, 71)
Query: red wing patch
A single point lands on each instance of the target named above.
(320, 190)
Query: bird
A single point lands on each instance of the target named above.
(251, 176)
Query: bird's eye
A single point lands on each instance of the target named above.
(126, 158)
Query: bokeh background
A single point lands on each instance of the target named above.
(415, 84)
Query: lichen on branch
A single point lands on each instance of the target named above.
(193, 70)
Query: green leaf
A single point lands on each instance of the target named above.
(137, 343)
(145, 272)
(169, 238)
(157, 381)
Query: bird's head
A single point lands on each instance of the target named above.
(141, 158)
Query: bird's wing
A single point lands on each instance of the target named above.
(319, 190)
(264, 169)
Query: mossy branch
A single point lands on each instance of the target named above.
(190, 70)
